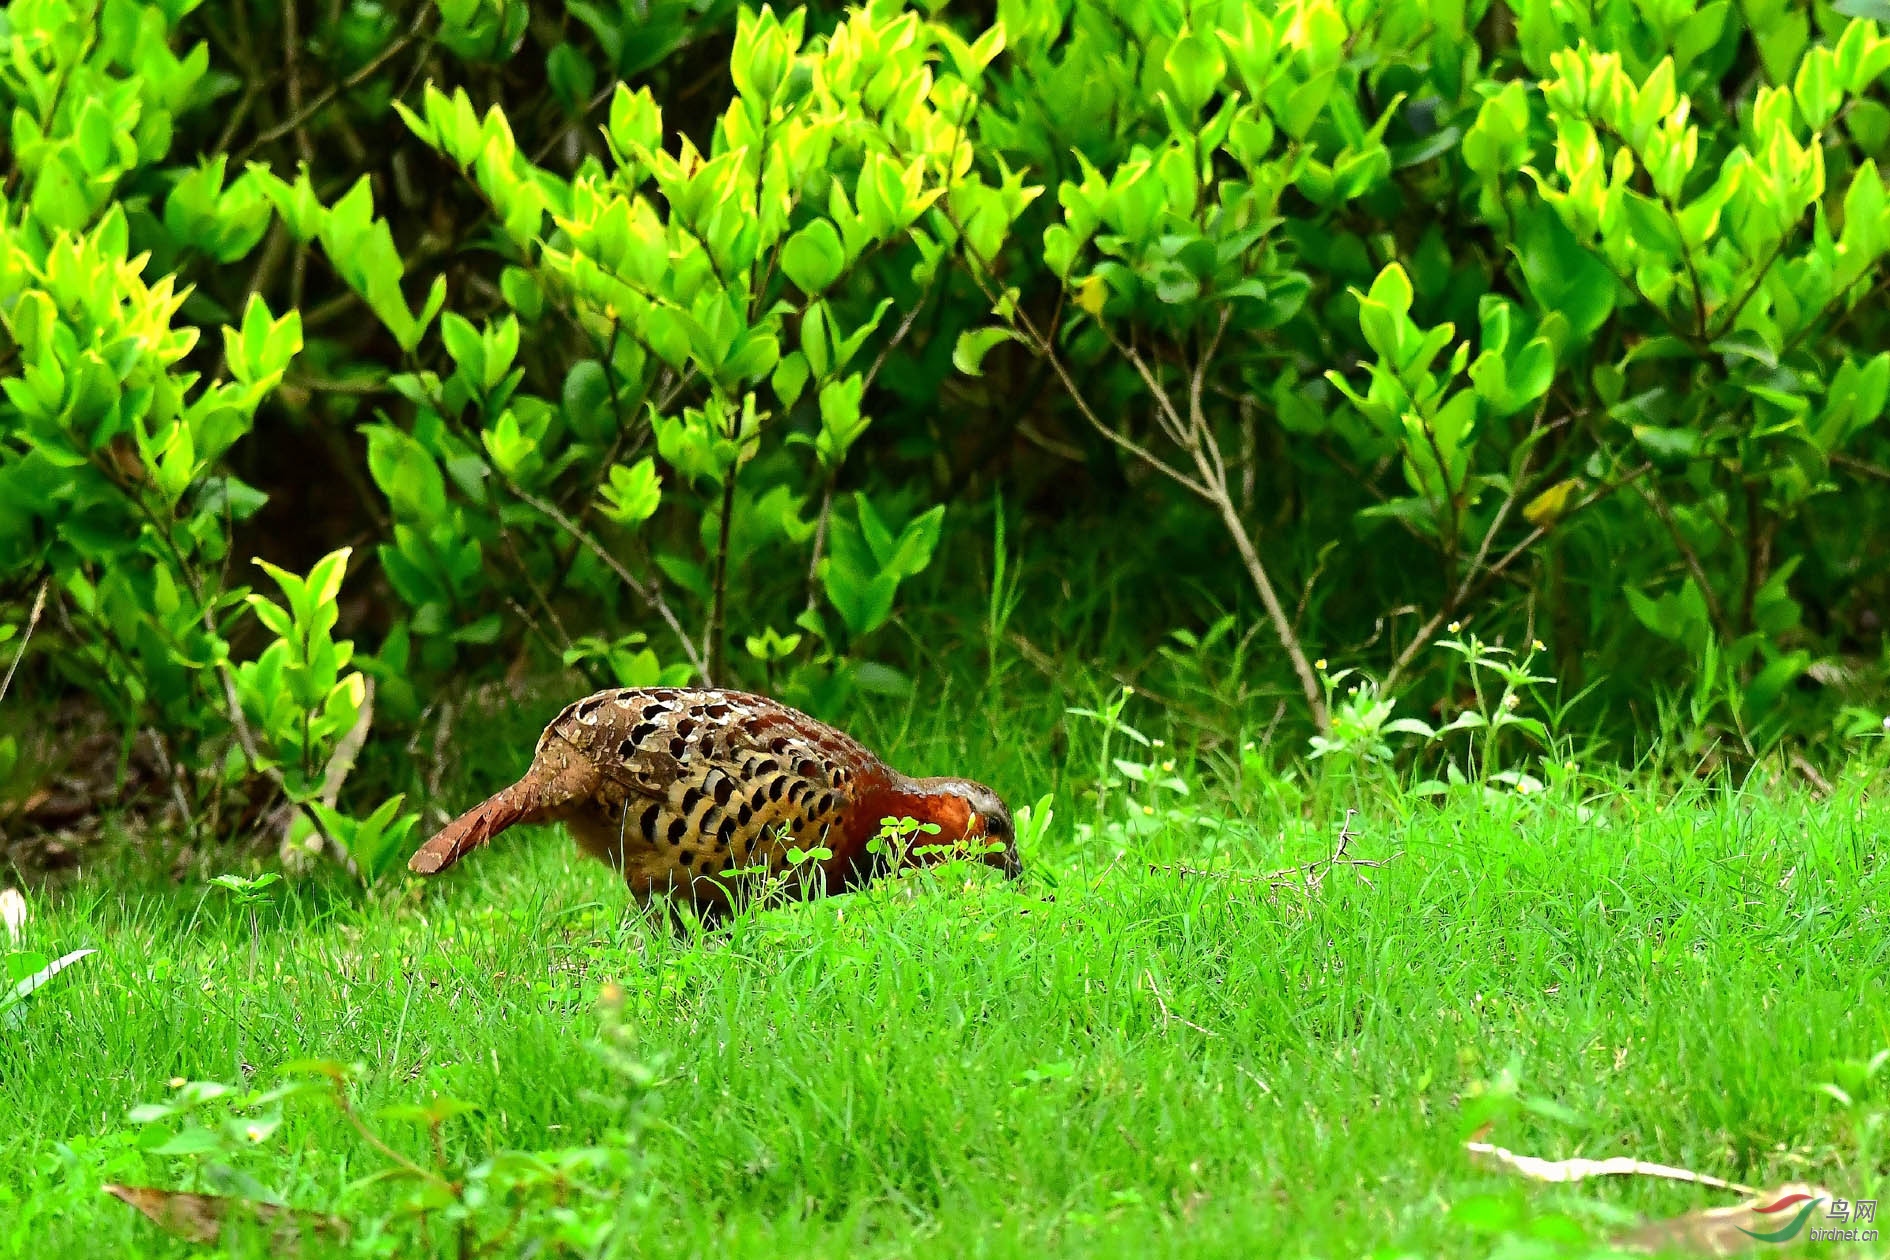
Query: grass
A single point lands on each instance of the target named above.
(1104, 1059)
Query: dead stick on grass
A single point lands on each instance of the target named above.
(1571, 1170)
(1305, 878)
(1168, 1014)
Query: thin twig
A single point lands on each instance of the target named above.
(820, 540)
(1478, 581)
(1048, 351)
(716, 649)
(300, 117)
(1049, 445)
(238, 116)
(1820, 786)
(1863, 468)
(899, 335)
(1739, 306)
(1167, 1014)
(648, 592)
(1659, 507)
(292, 77)
(1306, 878)
(168, 769)
(32, 623)
(348, 748)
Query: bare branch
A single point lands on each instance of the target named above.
(1048, 351)
(645, 591)
(1476, 582)
(1659, 507)
(32, 624)
(299, 118)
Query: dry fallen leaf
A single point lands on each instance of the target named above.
(199, 1218)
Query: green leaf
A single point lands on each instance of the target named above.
(1653, 227)
(841, 420)
(1816, 88)
(1746, 343)
(587, 401)
(406, 473)
(634, 493)
(974, 344)
(917, 541)
(324, 580)
(1530, 376)
(1175, 284)
(1667, 445)
(1564, 277)
(572, 77)
(466, 346)
(26, 985)
(813, 257)
(1304, 104)
(635, 121)
(522, 293)
(97, 136)
(790, 378)
(1196, 66)
(1700, 33)
(192, 1141)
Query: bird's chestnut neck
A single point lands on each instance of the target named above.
(922, 801)
(966, 814)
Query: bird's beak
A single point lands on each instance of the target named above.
(1006, 860)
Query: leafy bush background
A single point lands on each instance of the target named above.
(668, 341)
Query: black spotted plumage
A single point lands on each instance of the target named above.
(670, 784)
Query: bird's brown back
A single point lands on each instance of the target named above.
(692, 782)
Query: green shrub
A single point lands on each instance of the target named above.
(1667, 254)
(622, 335)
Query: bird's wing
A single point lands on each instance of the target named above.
(677, 763)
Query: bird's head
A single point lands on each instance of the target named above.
(970, 813)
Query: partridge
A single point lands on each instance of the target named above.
(679, 787)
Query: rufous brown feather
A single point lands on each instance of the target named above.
(471, 829)
(689, 791)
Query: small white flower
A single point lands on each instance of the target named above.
(1511, 700)
(1538, 645)
(13, 913)
(1456, 626)
(1320, 664)
(253, 1133)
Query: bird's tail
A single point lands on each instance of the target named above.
(471, 829)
